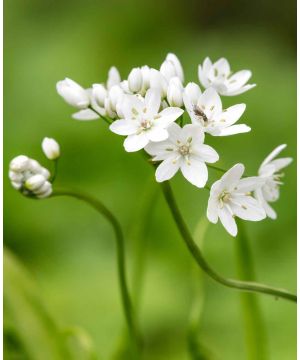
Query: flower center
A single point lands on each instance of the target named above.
(224, 197)
(184, 149)
(146, 124)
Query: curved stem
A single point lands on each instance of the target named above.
(55, 166)
(198, 256)
(255, 333)
(126, 302)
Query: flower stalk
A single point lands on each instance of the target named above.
(126, 301)
(253, 320)
(198, 256)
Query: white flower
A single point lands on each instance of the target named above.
(50, 148)
(142, 120)
(231, 196)
(171, 67)
(135, 80)
(219, 76)
(174, 92)
(73, 93)
(29, 177)
(206, 110)
(268, 172)
(114, 77)
(184, 150)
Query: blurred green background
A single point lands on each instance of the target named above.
(67, 248)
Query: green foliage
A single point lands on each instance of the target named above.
(29, 330)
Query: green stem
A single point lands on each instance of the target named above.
(126, 302)
(221, 170)
(101, 116)
(254, 325)
(198, 256)
(54, 170)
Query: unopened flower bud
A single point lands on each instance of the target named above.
(114, 77)
(19, 163)
(158, 81)
(73, 93)
(50, 148)
(177, 65)
(174, 93)
(135, 80)
(115, 94)
(29, 177)
(168, 69)
(99, 93)
(35, 182)
(192, 91)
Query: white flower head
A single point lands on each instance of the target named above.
(206, 110)
(99, 93)
(219, 76)
(74, 94)
(272, 179)
(142, 120)
(51, 148)
(183, 150)
(175, 92)
(231, 196)
(29, 177)
(171, 67)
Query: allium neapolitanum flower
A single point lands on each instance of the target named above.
(231, 196)
(50, 148)
(29, 177)
(220, 77)
(269, 173)
(171, 67)
(142, 120)
(184, 150)
(206, 110)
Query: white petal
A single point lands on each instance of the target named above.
(124, 127)
(131, 106)
(249, 184)
(247, 208)
(239, 91)
(205, 152)
(212, 210)
(281, 163)
(210, 102)
(152, 101)
(231, 115)
(231, 178)
(227, 221)
(239, 79)
(86, 114)
(169, 115)
(273, 154)
(157, 134)
(268, 209)
(195, 171)
(114, 77)
(233, 130)
(135, 142)
(193, 131)
(203, 72)
(167, 169)
(161, 150)
(222, 66)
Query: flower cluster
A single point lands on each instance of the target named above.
(158, 112)
(31, 178)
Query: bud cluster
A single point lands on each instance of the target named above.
(29, 177)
